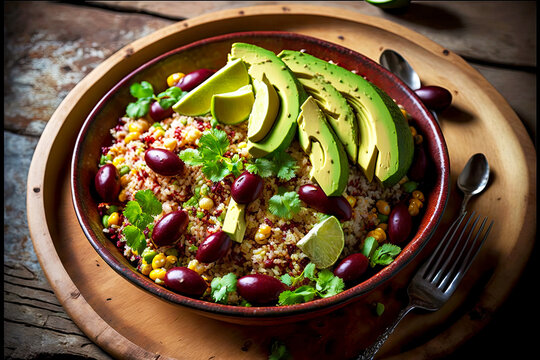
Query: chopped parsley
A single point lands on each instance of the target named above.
(221, 287)
(285, 204)
(279, 164)
(140, 214)
(213, 144)
(144, 92)
(326, 285)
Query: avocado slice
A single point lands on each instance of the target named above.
(234, 223)
(339, 114)
(229, 78)
(291, 95)
(330, 167)
(385, 144)
(264, 111)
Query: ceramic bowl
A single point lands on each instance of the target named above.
(212, 53)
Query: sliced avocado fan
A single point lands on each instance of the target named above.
(385, 144)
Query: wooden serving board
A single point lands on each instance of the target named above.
(129, 323)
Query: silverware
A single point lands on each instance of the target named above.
(437, 279)
(473, 179)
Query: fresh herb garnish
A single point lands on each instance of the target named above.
(285, 204)
(221, 287)
(140, 214)
(384, 254)
(144, 92)
(326, 285)
(279, 164)
(213, 144)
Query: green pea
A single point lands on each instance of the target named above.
(383, 218)
(410, 186)
(148, 255)
(124, 170)
(105, 220)
(200, 214)
(104, 158)
(112, 208)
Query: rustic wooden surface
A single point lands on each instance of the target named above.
(49, 47)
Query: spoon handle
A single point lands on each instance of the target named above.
(464, 203)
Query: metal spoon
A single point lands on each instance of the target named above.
(400, 67)
(473, 178)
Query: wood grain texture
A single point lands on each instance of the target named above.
(472, 107)
(35, 82)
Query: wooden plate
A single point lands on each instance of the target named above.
(130, 323)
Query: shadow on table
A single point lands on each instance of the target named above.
(428, 15)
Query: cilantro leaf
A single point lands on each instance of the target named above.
(302, 294)
(384, 254)
(142, 90)
(213, 144)
(132, 211)
(134, 238)
(286, 279)
(214, 171)
(191, 157)
(285, 205)
(284, 165)
(148, 202)
(221, 287)
(328, 284)
(262, 167)
(138, 109)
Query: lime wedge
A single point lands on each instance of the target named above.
(324, 243)
(231, 77)
(233, 107)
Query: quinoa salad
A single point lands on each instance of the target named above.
(195, 205)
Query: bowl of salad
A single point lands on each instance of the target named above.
(259, 177)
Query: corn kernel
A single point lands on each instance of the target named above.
(159, 261)
(417, 194)
(413, 131)
(173, 79)
(351, 200)
(265, 229)
(260, 238)
(378, 233)
(159, 133)
(118, 160)
(383, 226)
(144, 124)
(122, 196)
(146, 269)
(114, 219)
(206, 203)
(417, 202)
(196, 266)
(242, 145)
(124, 180)
(172, 259)
(157, 274)
(413, 209)
(193, 135)
(418, 139)
(170, 144)
(383, 207)
(132, 136)
(135, 127)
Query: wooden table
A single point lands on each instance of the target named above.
(50, 47)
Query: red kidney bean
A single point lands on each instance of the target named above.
(185, 281)
(164, 162)
(417, 171)
(259, 288)
(352, 268)
(247, 188)
(214, 247)
(194, 79)
(399, 224)
(434, 97)
(315, 197)
(169, 228)
(157, 113)
(107, 182)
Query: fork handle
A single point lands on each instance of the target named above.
(369, 353)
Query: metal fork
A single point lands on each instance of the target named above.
(437, 279)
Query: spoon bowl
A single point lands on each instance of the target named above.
(473, 178)
(394, 62)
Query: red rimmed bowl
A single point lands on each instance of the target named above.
(212, 53)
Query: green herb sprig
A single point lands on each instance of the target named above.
(379, 255)
(279, 164)
(285, 204)
(221, 287)
(144, 92)
(140, 214)
(213, 144)
(326, 284)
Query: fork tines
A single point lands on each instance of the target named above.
(456, 251)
